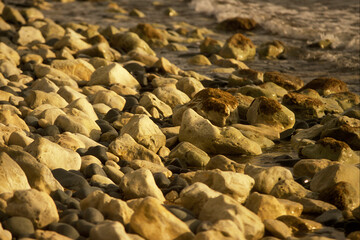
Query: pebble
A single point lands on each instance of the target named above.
(92, 215)
(19, 226)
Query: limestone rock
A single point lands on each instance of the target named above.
(269, 112)
(171, 96)
(110, 98)
(313, 206)
(286, 81)
(46, 234)
(152, 103)
(53, 155)
(309, 167)
(153, 221)
(145, 132)
(189, 154)
(266, 178)
(12, 176)
(151, 35)
(36, 98)
(239, 47)
(235, 185)
(28, 35)
(72, 40)
(224, 207)
(224, 164)
(8, 68)
(128, 149)
(140, 183)
(58, 77)
(12, 15)
(222, 229)
(259, 130)
(101, 50)
(227, 140)
(78, 69)
(45, 85)
(114, 230)
(34, 205)
(326, 85)
(299, 225)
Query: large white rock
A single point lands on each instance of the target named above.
(227, 140)
(145, 132)
(53, 155)
(12, 177)
(153, 221)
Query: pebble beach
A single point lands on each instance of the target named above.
(178, 120)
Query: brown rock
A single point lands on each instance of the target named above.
(239, 47)
(299, 225)
(326, 85)
(271, 50)
(342, 195)
(210, 46)
(309, 167)
(237, 23)
(286, 81)
(345, 133)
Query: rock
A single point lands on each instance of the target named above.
(171, 96)
(227, 140)
(110, 98)
(72, 40)
(259, 130)
(235, 185)
(101, 50)
(210, 46)
(271, 50)
(222, 229)
(53, 155)
(269, 112)
(45, 234)
(129, 41)
(266, 178)
(153, 167)
(309, 167)
(287, 188)
(140, 183)
(111, 208)
(152, 221)
(286, 81)
(327, 85)
(303, 106)
(8, 117)
(189, 85)
(92, 215)
(145, 132)
(98, 180)
(226, 208)
(83, 105)
(277, 228)
(9, 54)
(265, 206)
(12, 176)
(239, 47)
(237, 23)
(256, 91)
(189, 154)
(58, 77)
(45, 85)
(279, 91)
(263, 141)
(5, 234)
(343, 195)
(114, 174)
(331, 149)
(29, 35)
(34, 205)
(128, 149)
(151, 35)
(299, 225)
(78, 69)
(36, 98)
(312, 206)
(19, 226)
(20, 139)
(176, 47)
(224, 164)
(12, 15)
(65, 230)
(76, 121)
(346, 100)
(199, 60)
(114, 230)
(153, 103)
(165, 66)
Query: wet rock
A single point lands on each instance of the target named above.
(128, 149)
(36, 98)
(312, 206)
(171, 96)
(235, 185)
(237, 23)
(12, 176)
(309, 167)
(287, 188)
(266, 178)
(239, 47)
(299, 225)
(145, 132)
(286, 81)
(34, 205)
(210, 46)
(342, 195)
(346, 100)
(152, 221)
(279, 91)
(224, 207)
(265, 206)
(53, 155)
(326, 86)
(269, 112)
(190, 155)
(271, 50)
(303, 106)
(277, 228)
(211, 139)
(331, 149)
(78, 69)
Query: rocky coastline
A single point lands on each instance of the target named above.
(113, 126)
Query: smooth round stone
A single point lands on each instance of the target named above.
(31, 121)
(65, 229)
(126, 170)
(51, 131)
(72, 203)
(59, 195)
(92, 215)
(193, 224)
(19, 226)
(60, 206)
(161, 180)
(177, 184)
(93, 169)
(84, 227)
(112, 115)
(330, 217)
(70, 219)
(177, 163)
(99, 152)
(74, 181)
(131, 101)
(104, 126)
(182, 213)
(69, 211)
(81, 151)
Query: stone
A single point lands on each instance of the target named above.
(287, 188)
(58, 77)
(12, 176)
(304, 107)
(165, 66)
(152, 102)
(189, 154)
(266, 178)
(153, 221)
(114, 174)
(265, 206)
(72, 40)
(29, 35)
(199, 60)
(78, 69)
(153, 167)
(9, 54)
(279, 91)
(140, 183)
(255, 91)
(259, 130)
(223, 163)
(20, 139)
(34, 205)
(9, 69)
(65, 230)
(211, 139)
(286, 81)
(112, 208)
(235, 185)
(129, 41)
(176, 47)
(151, 35)
(114, 230)
(292, 208)
(210, 46)
(101, 50)
(12, 15)
(128, 149)
(239, 47)
(145, 132)
(299, 225)
(19, 226)
(171, 96)
(36, 98)
(76, 121)
(110, 98)
(189, 85)
(92, 215)
(327, 85)
(222, 229)
(346, 100)
(237, 24)
(309, 167)
(45, 85)
(271, 50)
(269, 112)
(313, 206)
(226, 208)
(8, 117)
(263, 141)
(83, 105)
(277, 228)
(331, 149)
(343, 195)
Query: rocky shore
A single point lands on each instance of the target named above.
(123, 128)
